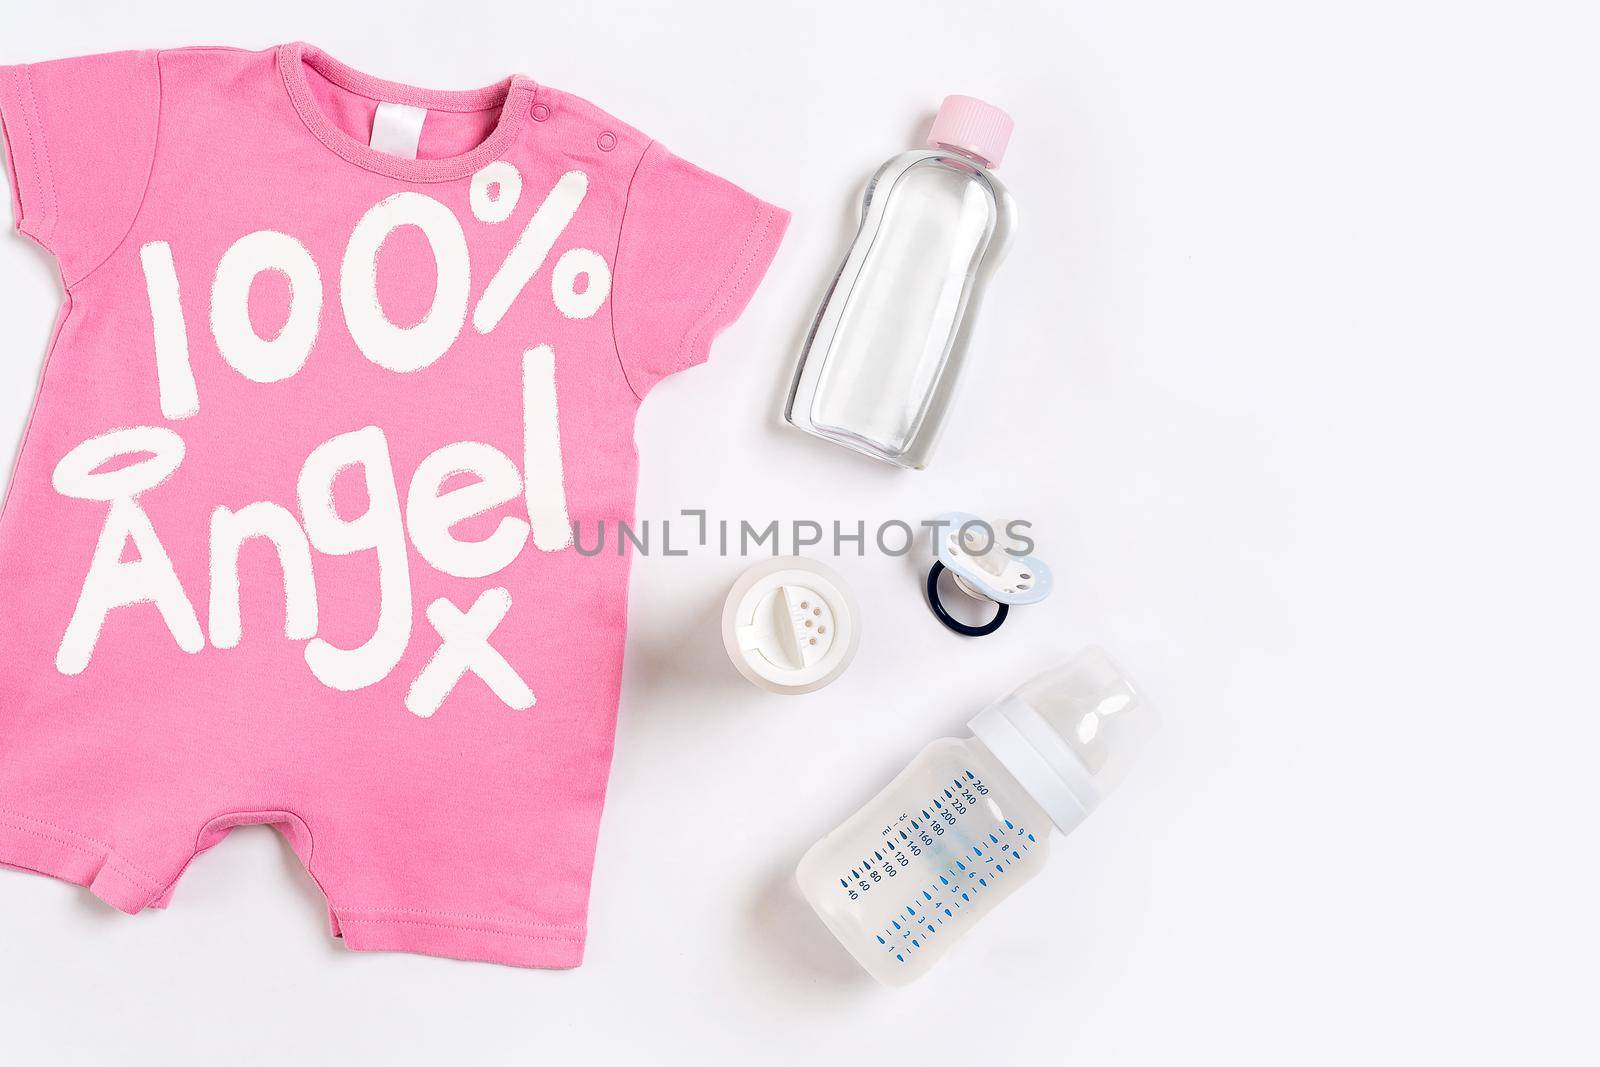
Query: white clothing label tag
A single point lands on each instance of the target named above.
(396, 129)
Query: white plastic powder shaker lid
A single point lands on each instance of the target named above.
(790, 625)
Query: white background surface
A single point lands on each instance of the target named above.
(1294, 369)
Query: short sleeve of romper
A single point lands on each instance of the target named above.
(80, 136)
(666, 317)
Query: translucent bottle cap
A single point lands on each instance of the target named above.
(790, 625)
(1070, 735)
(975, 127)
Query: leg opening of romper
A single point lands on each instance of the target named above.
(32, 845)
(516, 944)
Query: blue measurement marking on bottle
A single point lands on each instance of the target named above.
(946, 903)
(949, 894)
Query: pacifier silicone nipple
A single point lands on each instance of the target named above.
(789, 625)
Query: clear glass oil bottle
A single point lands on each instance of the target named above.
(886, 351)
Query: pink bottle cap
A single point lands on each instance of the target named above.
(977, 128)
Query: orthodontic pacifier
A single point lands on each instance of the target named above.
(984, 570)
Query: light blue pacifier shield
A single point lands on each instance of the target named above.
(976, 553)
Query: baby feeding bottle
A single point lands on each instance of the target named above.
(969, 820)
(884, 355)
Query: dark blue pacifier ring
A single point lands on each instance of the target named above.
(951, 621)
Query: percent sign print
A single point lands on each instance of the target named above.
(494, 194)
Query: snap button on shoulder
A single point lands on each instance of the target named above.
(608, 141)
(540, 112)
